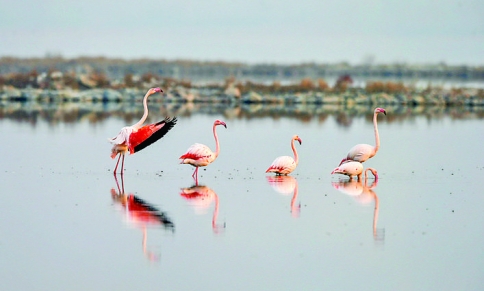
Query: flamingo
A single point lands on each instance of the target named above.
(140, 214)
(201, 197)
(285, 165)
(363, 152)
(286, 185)
(200, 155)
(136, 137)
(352, 168)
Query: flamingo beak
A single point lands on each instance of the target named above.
(384, 111)
(299, 140)
(225, 125)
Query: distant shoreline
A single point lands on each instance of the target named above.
(211, 71)
(114, 80)
(211, 95)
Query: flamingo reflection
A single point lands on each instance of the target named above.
(201, 197)
(286, 185)
(363, 193)
(140, 214)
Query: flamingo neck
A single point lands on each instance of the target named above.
(296, 158)
(375, 174)
(377, 136)
(217, 146)
(145, 112)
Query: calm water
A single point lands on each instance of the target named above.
(64, 226)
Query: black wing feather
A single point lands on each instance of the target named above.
(169, 123)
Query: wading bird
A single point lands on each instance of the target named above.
(352, 168)
(136, 137)
(200, 155)
(362, 152)
(285, 164)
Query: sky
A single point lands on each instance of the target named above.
(249, 31)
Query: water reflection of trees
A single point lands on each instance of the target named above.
(71, 113)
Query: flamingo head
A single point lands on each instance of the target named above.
(337, 171)
(380, 110)
(155, 90)
(373, 171)
(219, 122)
(296, 137)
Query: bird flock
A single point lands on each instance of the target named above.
(136, 137)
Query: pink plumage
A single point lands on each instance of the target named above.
(200, 155)
(352, 168)
(136, 137)
(362, 152)
(285, 165)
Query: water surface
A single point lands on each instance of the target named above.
(64, 226)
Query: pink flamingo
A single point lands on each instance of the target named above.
(363, 152)
(201, 197)
(200, 155)
(136, 137)
(352, 168)
(285, 164)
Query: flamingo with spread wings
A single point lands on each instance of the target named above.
(200, 155)
(285, 165)
(362, 152)
(136, 137)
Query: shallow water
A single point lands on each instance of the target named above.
(64, 227)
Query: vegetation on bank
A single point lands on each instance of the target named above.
(57, 86)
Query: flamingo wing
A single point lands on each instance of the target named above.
(284, 164)
(198, 151)
(149, 134)
(361, 152)
(123, 136)
(350, 168)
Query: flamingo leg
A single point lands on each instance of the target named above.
(117, 185)
(115, 168)
(195, 175)
(122, 183)
(122, 166)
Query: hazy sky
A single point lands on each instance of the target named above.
(254, 31)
